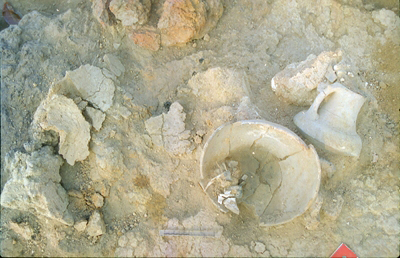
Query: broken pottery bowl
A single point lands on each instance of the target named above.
(330, 122)
(262, 166)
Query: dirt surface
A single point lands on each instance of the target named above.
(141, 186)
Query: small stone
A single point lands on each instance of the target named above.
(80, 225)
(330, 75)
(96, 226)
(100, 12)
(382, 85)
(146, 38)
(194, 45)
(114, 64)
(197, 139)
(206, 37)
(375, 157)
(259, 248)
(97, 200)
(95, 117)
(82, 105)
(230, 204)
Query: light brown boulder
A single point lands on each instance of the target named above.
(62, 115)
(184, 20)
(298, 82)
(89, 83)
(35, 185)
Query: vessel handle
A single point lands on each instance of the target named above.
(313, 110)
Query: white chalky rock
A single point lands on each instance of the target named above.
(61, 114)
(80, 225)
(96, 117)
(96, 226)
(168, 130)
(131, 12)
(35, 185)
(298, 82)
(259, 247)
(88, 82)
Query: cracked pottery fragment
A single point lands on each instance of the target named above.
(168, 130)
(263, 166)
(62, 115)
(88, 82)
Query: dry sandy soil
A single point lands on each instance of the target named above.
(145, 187)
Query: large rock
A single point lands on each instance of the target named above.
(102, 13)
(61, 114)
(298, 82)
(182, 20)
(88, 82)
(131, 12)
(35, 185)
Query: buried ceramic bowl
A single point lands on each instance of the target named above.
(262, 166)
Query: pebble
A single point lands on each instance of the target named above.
(382, 85)
(206, 37)
(96, 226)
(97, 200)
(80, 225)
(375, 157)
(259, 248)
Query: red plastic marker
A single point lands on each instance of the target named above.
(343, 251)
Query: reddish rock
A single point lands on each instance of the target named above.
(184, 20)
(147, 38)
(181, 20)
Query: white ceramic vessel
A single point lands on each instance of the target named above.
(330, 122)
(277, 175)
